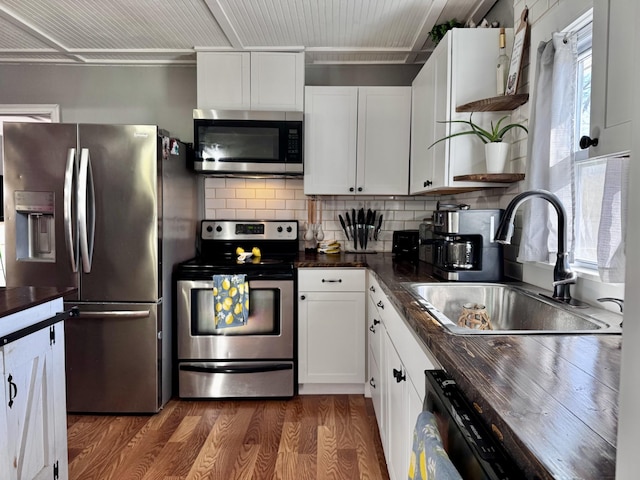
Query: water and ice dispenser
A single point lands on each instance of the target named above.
(35, 226)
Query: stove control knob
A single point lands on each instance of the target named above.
(218, 229)
(209, 228)
(289, 229)
(279, 229)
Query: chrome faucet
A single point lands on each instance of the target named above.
(563, 276)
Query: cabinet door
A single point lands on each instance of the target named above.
(223, 80)
(429, 107)
(611, 77)
(384, 126)
(375, 329)
(397, 414)
(331, 337)
(378, 392)
(277, 81)
(29, 406)
(331, 117)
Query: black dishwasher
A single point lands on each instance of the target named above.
(467, 441)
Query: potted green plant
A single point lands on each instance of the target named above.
(439, 31)
(496, 150)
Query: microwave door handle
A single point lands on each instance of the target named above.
(86, 210)
(68, 200)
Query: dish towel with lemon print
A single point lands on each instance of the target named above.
(429, 460)
(230, 300)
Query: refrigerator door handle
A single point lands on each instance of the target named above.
(86, 210)
(69, 233)
(121, 314)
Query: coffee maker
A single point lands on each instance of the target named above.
(465, 249)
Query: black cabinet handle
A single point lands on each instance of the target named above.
(351, 189)
(427, 183)
(375, 322)
(359, 189)
(372, 382)
(302, 297)
(372, 288)
(586, 142)
(372, 329)
(13, 390)
(332, 281)
(381, 305)
(399, 375)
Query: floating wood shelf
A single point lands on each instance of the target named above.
(490, 177)
(495, 104)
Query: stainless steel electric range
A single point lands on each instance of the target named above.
(256, 359)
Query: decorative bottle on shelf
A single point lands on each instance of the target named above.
(502, 65)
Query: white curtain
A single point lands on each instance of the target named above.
(612, 230)
(551, 148)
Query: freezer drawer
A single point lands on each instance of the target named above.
(112, 358)
(236, 379)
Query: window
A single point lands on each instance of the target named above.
(589, 173)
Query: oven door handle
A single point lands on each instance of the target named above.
(237, 369)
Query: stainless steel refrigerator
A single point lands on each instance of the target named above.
(108, 209)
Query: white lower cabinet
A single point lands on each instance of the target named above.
(397, 361)
(404, 406)
(33, 426)
(331, 325)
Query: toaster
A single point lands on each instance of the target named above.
(405, 244)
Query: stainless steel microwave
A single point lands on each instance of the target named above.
(248, 142)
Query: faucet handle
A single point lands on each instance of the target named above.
(572, 278)
(618, 301)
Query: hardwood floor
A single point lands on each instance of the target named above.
(310, 437)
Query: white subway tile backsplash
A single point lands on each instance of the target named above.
(236, 203)
(286, 194)
(215, 203)
(214, 182)
(275, 204)
(284, 199)
(225, 193)
(246, 192)
(256, 204)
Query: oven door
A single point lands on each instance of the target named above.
(268, 334)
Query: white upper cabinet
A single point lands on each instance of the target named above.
(250, 80)
(460, 70)
(357, 140)
(612, 79)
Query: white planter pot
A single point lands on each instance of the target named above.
(496, 156)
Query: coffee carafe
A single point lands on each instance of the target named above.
(464, 245)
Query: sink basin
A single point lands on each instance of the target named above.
(513, 309)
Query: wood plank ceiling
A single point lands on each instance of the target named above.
(171, 31)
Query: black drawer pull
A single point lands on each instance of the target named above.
(13, 390)
(372, 382)
(372, 329)
(375, 322)
(399, 375)
(381, 305)
(372, 288)
(332, 281)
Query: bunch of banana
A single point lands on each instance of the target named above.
(329, 246)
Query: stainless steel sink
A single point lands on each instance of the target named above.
(513, 309)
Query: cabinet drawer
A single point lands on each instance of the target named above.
(331, 280)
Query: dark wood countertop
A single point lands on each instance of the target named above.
(16, 299)
(551, 399)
